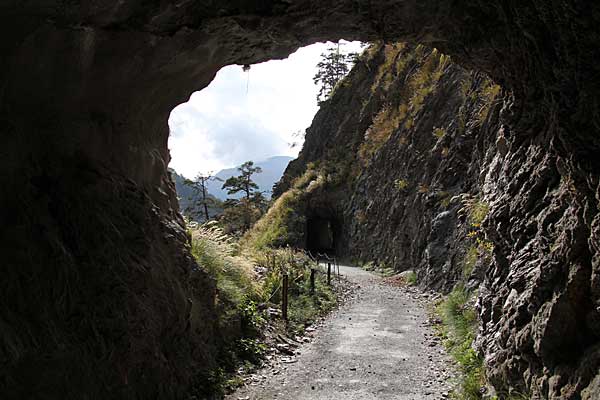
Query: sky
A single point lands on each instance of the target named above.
(249, 115)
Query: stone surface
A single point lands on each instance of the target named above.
(405, 358)
(100, 296)
(537, 280)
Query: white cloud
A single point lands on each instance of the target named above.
(244, 116)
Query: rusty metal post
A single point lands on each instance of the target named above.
(329, 273)
(284, 298)
(312, 281)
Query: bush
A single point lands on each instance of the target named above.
(303, 307)
(251, 349)
(471, 257)
(401, 184)
(488, 96)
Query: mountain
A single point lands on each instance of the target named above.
(187, 198)
(272, 170)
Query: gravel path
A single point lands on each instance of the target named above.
(377, 346)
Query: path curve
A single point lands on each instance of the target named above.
(377, 346)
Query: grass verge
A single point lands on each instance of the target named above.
(249, 287)
(304, 307)
(458, 329)
(379, 268)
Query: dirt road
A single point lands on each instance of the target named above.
(378, 346)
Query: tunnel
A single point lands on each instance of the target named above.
(101, 297)
(322, 235)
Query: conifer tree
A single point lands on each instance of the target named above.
(334, 65)
(201, 197)
(243, 182)
(241, 214)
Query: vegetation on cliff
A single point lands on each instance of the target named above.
(410, 145)
(283, 224)
(459, 329)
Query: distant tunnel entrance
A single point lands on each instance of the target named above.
(321, 235)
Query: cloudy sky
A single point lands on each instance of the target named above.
(245, 116)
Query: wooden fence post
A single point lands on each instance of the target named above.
(284, 298)
(329, 273)
(312, 281)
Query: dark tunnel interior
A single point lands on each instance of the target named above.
(322, 235)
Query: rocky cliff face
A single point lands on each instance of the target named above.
(426, 167)
(100, 296)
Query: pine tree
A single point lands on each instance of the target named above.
(334, 65)
(241, 214)
(201, 197)
(243, 182)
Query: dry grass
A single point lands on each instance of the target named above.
(283, 224)
(421, 84)
(488, 95)
(385, 122)
(386, 73)
(219, 255)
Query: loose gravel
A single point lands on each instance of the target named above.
(379, 345)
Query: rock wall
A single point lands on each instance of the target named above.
(402, 144)
(103, 300)
(426, 166)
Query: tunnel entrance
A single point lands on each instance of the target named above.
(321, 235)
(112, 145)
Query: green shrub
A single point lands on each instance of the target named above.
(411, 279)
(479, 211)
(459, 329)
(251, 320)
(444, 198)
(378, 267)
(469, 262)
(251, 349)
(439, 132)
(281, 225)
(386, 270)
(385, 72)
(476, 209)
(216, 252)
(368, 266)
(304, 307)
(401, 184)
(488, 95)
(384, 123)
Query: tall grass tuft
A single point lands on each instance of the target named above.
(238, 292)
(217, 252)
